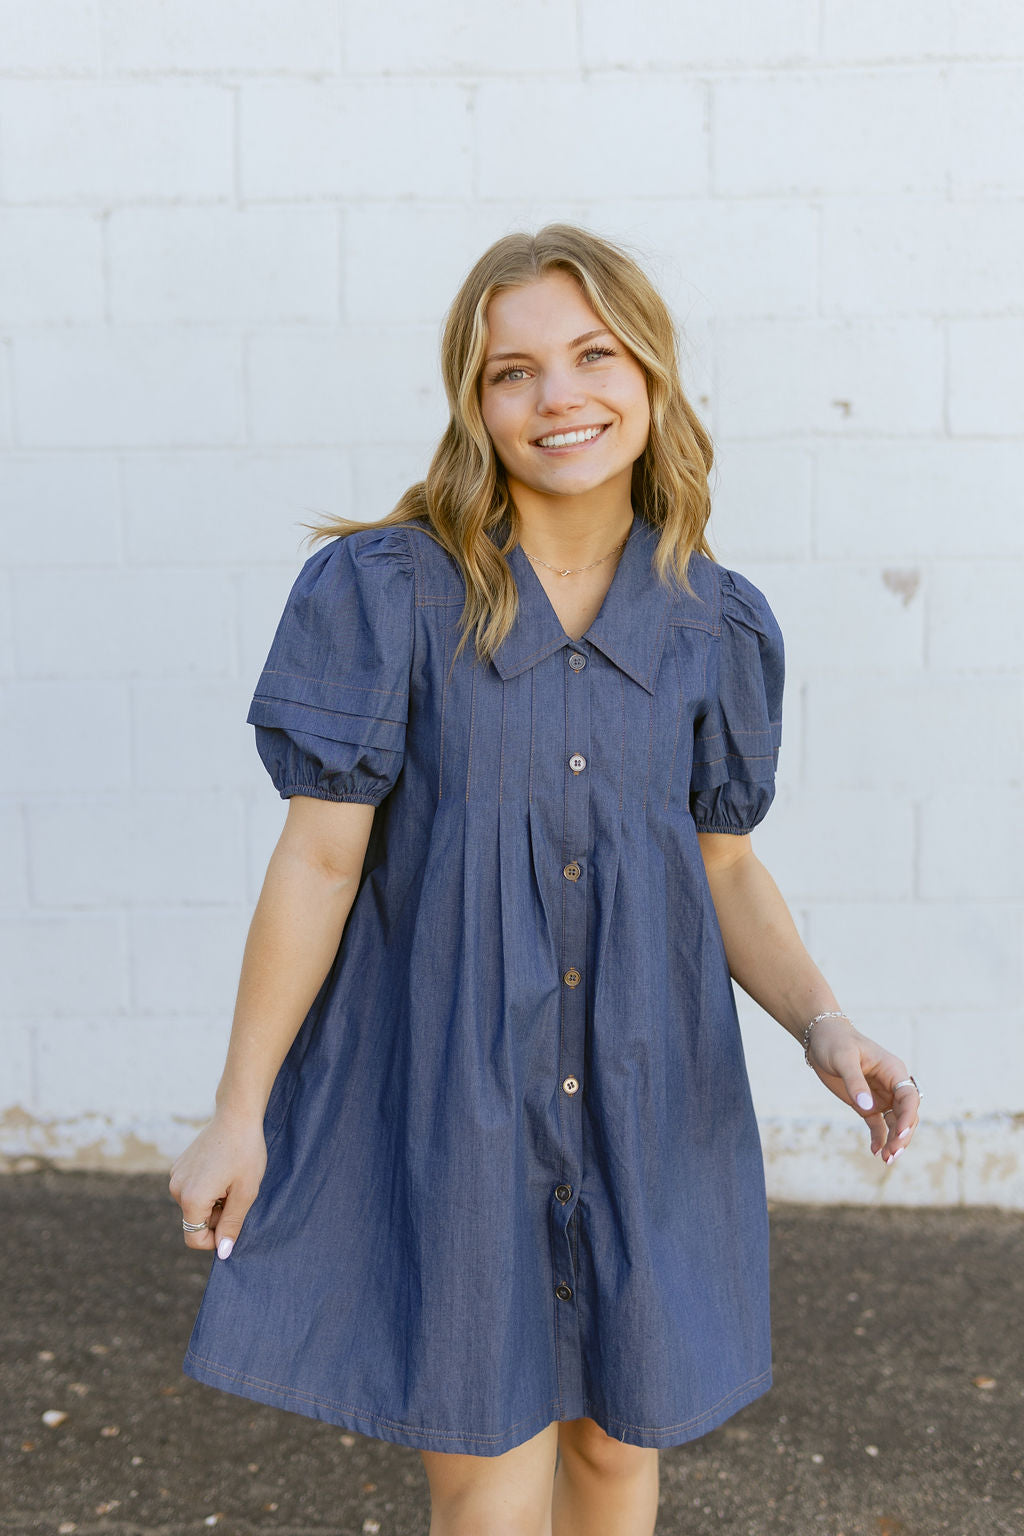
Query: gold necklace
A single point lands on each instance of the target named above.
(559, 572)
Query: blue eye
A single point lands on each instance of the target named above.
(511, 368)
(505, 372)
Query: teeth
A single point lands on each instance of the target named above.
(564, 439)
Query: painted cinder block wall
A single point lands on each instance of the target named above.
(227, 238)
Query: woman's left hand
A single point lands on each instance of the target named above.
(854, 1068)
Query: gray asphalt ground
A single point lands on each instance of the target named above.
(897, 1409)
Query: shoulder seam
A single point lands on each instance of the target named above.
(414, 606)
(712, 624)
(426, 596)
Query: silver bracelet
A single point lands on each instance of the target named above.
(833, 1013)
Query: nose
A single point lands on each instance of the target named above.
(560, 391)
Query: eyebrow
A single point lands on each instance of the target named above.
(577, 341)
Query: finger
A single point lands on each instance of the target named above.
(905, 1115)
(196, 1210)
(845, 1064)
(900, 1128)
(229, 1222)
(902, 1102)
(876, 1124)
(842, 1080)
(860, 1095)
(890, 1146)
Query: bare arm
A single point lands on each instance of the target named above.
(307, 894)
(765, 952)
(768, 958)
(310, 885)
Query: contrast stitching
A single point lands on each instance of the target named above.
(622, 745)
(538, 655)
(329, 716)
(446, 675)
(661, 1429)
(675, 742)
(758, 730)
(336, 1402)
(472, 723)
(651, 735)
(744, 757)
(412, 617)
(325, 682)
(422, 599)
(703, 624)
(501, 745)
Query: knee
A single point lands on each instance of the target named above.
(585, 1442)
(489, 1512)
(476, 1517)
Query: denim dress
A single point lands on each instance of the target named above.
(513, 1168)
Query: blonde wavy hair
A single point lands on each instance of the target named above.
(465, 495)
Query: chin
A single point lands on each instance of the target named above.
(590, 483)
(562, 485)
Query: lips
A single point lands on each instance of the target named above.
(571, 437)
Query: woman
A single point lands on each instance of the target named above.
(484, 1144)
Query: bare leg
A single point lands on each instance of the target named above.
(603, 1487)
(507, 1495)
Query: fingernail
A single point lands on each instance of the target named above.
(905, 1131)
(898, 1153)
(864, 1100)
(225, 1246)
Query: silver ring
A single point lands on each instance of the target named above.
(908, 1082)
(193, 1226)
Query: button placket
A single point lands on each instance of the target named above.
(573, 955)
(574, 898)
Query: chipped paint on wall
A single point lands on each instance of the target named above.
(974, 1160)
(904, 582)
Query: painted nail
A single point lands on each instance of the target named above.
(224, 1247)
(864, 1100)
(905, 1131)
(898, 1153)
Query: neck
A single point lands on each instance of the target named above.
(569, 536)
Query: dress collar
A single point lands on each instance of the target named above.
(629, 630)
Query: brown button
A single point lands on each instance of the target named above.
(572, 977)
(572, 871)
(570, 1085)
(577, 762)
(563, 1192)
(563, 1292)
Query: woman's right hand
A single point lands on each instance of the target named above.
(218, 1177)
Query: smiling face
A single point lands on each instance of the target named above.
(564, 402)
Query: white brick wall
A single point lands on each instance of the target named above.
(228, 235)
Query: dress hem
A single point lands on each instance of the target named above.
(378, 1427)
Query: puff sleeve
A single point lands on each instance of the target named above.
(737, 738)
(332, 702)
